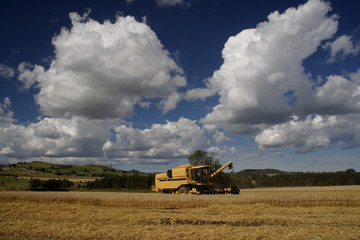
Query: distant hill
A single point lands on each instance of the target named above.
(44, 176)
(36, 168)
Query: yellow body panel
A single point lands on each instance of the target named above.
(180, 176)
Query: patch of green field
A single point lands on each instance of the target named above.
(9, 183)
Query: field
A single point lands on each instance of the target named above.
(273, 213)
(16, 177)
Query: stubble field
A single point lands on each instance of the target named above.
(275, 213)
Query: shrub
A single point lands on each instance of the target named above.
(50, 185)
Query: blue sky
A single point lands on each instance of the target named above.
(142, 84)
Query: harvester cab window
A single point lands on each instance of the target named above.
(201, 175)
(169, 173)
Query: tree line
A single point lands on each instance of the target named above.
(348, 177)
(273, 177)
(123, 182)
(126, 182)
(50, 185)
(260, 178)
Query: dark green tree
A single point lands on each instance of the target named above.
(50, 185)
(35, 185)
(200, 157)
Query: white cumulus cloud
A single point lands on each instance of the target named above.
(58, 138)
(342, 47)
(219, 137)
(54, 138)
(168, 3)
(339, 95)
(262, 76)
(6, 71)
(79, 139)
(103, 69)
(313, 133)
(262, 82)
(158, 144)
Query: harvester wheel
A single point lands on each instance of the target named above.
(235, 190)
(183, 190)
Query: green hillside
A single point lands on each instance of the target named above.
(19, 176)
(33, 169)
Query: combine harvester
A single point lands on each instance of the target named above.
(187, 179)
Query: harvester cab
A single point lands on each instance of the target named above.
(190, 179)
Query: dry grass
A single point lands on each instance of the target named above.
(285, 213)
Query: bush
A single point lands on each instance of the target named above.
(126, 181)
(50, 185)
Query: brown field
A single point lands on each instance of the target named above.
(274, 213)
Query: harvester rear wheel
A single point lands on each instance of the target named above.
(183, 190)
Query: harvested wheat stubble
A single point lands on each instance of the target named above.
(346, 196)
(297, 213)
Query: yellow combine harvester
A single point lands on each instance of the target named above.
(190, 179)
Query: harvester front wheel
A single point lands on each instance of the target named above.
(183, 190)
